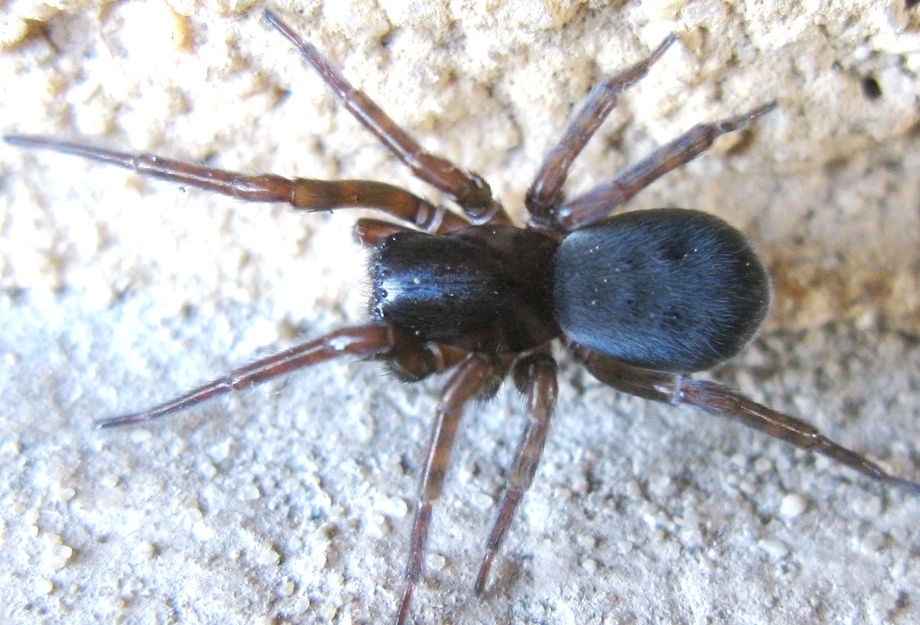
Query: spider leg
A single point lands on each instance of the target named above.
(368, 341)
(545, 192)
(536, 377)
(301, 193)
(475, 376)
(598, 202)
(466, 188)
(723, 402)
(373, 232)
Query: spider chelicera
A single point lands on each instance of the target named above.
(642, 299)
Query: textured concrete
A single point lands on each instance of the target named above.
(292, 502)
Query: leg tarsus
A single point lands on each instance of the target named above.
(214, 388)
(420, 527)
(740, 122)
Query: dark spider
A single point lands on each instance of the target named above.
(641, 299)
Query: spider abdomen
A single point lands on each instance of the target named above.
(482, 288)
(664, 289)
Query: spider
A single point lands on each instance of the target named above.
(642, 299)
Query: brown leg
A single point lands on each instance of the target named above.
(301, 193)
(720, 401)
(373, 232)
(545, 192)
(536, 377)
(466, 188)
(369, 341)
(473, 377)
(598, 202)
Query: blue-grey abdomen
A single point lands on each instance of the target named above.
(665, 289)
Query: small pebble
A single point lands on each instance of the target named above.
(792, 506)
(44, 586)
(774, 548)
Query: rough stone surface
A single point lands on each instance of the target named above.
(292, 502)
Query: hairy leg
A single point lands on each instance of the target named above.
(466, 188)
(723, 402)
(545, 192)
(474, 376)
(368, 341)
(301, 193)
(536, 378)
(595, 204)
